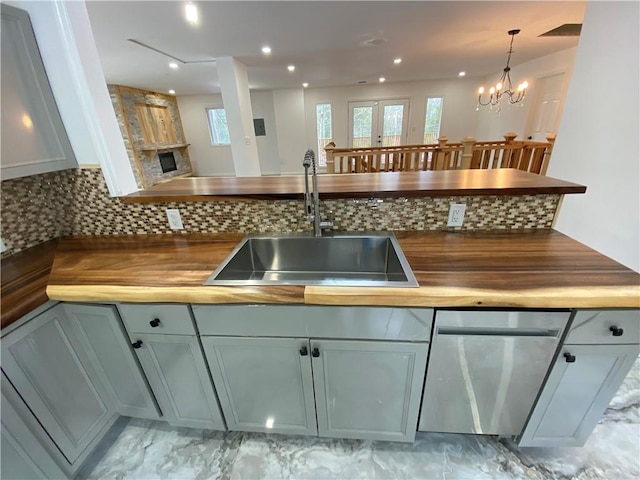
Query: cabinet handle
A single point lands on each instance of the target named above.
(303, 351)
(617, 332)
(315, 353)
(137, 344)
(155, 322)
(569, 358)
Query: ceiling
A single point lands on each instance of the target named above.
(330, 43)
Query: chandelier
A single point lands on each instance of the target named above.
(504, 88)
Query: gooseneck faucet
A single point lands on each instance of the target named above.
(312, 207)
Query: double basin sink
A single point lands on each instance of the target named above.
(371, 259)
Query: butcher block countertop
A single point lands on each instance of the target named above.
(505, 181)
(24, 281)
(539, 269)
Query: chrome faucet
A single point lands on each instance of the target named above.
(312, 205)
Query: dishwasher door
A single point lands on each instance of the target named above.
(486, 368)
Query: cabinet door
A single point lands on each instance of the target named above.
(368, 390)
(34, 139)
(63, 392)
(102, 335)
(577, 393)
(178, 375)
(23, 457)
(264, 384)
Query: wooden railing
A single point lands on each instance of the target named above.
(508, 153)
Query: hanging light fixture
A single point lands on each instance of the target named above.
(503, 87)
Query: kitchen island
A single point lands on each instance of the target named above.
(138, 334)
(541, 269)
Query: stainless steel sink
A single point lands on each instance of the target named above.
(371, 259)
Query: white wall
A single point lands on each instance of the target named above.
(458, 116)
(288, 106)
(207, 159)
(216, 160)
(598, 137)
(515, 118)
(262, 106)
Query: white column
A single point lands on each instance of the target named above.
(234, 85)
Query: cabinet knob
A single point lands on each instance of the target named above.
(155, 322)
(303, 351)
(569, 358)
(137, 344)
(315, 352)
(617, 332)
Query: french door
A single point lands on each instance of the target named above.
(378, 123)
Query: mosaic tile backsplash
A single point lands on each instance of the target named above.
(77, 202)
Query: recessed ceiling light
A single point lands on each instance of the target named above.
(382, 79)
(305, 84)
(191, 13)
(291, 68)
(172, 92)
(173, 65)
(397, 61)
(462, 74)
(266, 50)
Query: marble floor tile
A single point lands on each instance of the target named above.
(625, 406)
(611, 452)
(144, 449)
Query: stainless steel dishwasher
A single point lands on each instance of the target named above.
(486, 368)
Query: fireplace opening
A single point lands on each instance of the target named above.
(167, 162)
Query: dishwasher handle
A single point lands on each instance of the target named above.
(499, 332)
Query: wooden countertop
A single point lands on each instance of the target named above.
(363, 185)
(540, 269)
(24, 281)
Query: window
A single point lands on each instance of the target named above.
(218, 126)
(323, 122)
(432, 120)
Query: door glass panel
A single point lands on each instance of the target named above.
(432, 120)
(392, 125)
(362, 122)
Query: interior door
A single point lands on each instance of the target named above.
(546, 112)
(378, 123)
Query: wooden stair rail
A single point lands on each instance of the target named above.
(508, 153)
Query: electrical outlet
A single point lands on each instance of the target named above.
(456, 215)
(175, 221)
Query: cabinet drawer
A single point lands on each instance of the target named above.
(157, 318)
(372, 323)
(599, 326)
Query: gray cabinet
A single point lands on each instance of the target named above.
(363, 389)
(577, 393)
(600, 349)
(99, 330)
(368, 390)
(23, 456)
(178, 375)
(34, 139)
(63, 391)
(264, 384)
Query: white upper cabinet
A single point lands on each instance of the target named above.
(33, 136)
